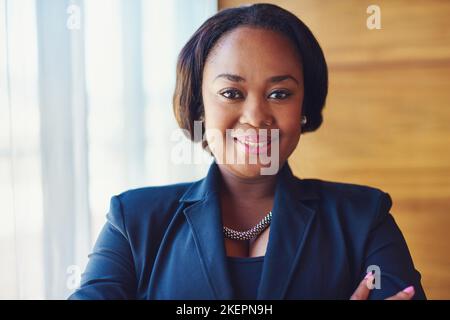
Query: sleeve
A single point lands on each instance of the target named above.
(110, 272)
(387, 252)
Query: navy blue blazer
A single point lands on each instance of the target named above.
(166, 242)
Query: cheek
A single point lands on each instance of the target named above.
(291, 137)
(290, 130)
(293, 126)
(218, 116)
(289, 121)
(218, 120)
(214, 115)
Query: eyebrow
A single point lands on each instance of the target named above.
(237, 78)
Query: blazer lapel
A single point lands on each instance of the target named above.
(292, 218)
(204, 218)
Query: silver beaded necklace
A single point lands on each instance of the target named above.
(250, 233)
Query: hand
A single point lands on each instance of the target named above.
(363, 290)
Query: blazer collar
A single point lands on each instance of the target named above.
(286, 180)
(292, 217)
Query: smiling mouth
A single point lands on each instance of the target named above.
(254, 147)
(253, 144)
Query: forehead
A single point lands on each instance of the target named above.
(253, 50)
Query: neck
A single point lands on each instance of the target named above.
(245, 201)
(248, 189)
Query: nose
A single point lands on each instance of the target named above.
(257, 113)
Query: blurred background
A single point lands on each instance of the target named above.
(85, 113)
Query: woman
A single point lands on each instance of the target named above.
(257, 79)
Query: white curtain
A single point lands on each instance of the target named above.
(85, 113)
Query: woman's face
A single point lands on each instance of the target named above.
(252, 80)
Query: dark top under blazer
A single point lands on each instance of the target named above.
(245, 276)
(166, 242)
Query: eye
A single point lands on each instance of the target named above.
(232, 94)
(280, 94)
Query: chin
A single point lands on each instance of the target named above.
(247, 170)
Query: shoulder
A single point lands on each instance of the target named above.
(356, 203)
(146, 207)
(356, 193)
(153, 195)
(333, 190)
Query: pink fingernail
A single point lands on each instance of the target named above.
(368, 275)
(409, 290)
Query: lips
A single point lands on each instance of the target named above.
(254, 147)
(254, 144)
(253, 139)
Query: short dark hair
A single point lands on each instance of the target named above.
(187, 98)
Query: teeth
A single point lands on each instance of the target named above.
(254, 144)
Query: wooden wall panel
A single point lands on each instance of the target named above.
(387, 118)
(412, 30)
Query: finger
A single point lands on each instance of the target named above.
(363, 290)
(406, 294)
